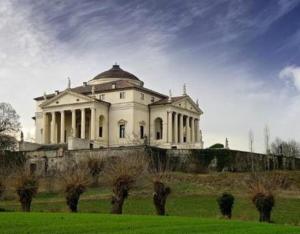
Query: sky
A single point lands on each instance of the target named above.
(241, 59)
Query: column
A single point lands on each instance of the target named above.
(193, 130)
(73, 123)
(181, 127)
(45, 127)
(53, 128)
(82, 124)
(188, 130)
(176, 128)
(62, 127)
(197, 130)
(93, 113)
(170, 127)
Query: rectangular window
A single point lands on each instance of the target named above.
(122, 95)
(100, 131)
(142, 96)
(142, 132)
(122, 131)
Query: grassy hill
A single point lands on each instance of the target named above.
(104, 223)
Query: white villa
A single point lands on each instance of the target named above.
(115, 109)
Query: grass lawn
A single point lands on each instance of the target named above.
(286, 210)
(103, 223)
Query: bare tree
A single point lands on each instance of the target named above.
(251, 140)
(267, 139)
(9, 126)
(289, 148)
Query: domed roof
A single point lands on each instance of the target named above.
(115, 72)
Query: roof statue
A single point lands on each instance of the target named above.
(69, 83)
(170, 96)
(93, 89)
(226, 143)
(184, 90)
(45, 96)
(197, 102)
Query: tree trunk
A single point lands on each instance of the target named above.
(25, 204)
(160, 197)
(117, 205)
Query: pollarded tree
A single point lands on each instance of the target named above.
(9, 126)
(75, 180)
(123, 173)
(159, 175)
(26, 185)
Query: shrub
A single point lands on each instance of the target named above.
(225, 204)
(75, 181)
(26, 186)
(123, 173)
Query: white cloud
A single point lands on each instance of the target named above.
(291, 74)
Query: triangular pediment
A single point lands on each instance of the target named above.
(188, 104)
(67, 97)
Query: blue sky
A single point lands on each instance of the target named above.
(239, 58)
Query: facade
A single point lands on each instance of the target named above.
(115, 109)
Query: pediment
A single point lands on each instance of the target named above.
(66, 98)
(188, 104)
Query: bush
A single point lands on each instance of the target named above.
(26, 186)
(225, 204)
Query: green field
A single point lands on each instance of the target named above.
(104, 223)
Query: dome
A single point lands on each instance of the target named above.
(116, 72)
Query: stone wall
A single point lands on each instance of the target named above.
(50, 162)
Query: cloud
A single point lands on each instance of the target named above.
(291, 74)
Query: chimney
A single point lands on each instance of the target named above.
(84, 84)
(56, 92)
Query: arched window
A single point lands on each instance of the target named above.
(101, 124)
(158, 125)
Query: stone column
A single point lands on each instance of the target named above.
(181, 127)
(93, 116)
(197, 130)
(169, 127)
(82, 135)
(193, 130)
(73, 123)
(188, 130)
(53, 138)
(176, 128)
(45, 128)
(62, 127)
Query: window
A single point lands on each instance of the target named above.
(142, 96)
(100, 131)
(122, 131)
(122, 95)
(142, 132)
(101, 97)
(152, 99)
